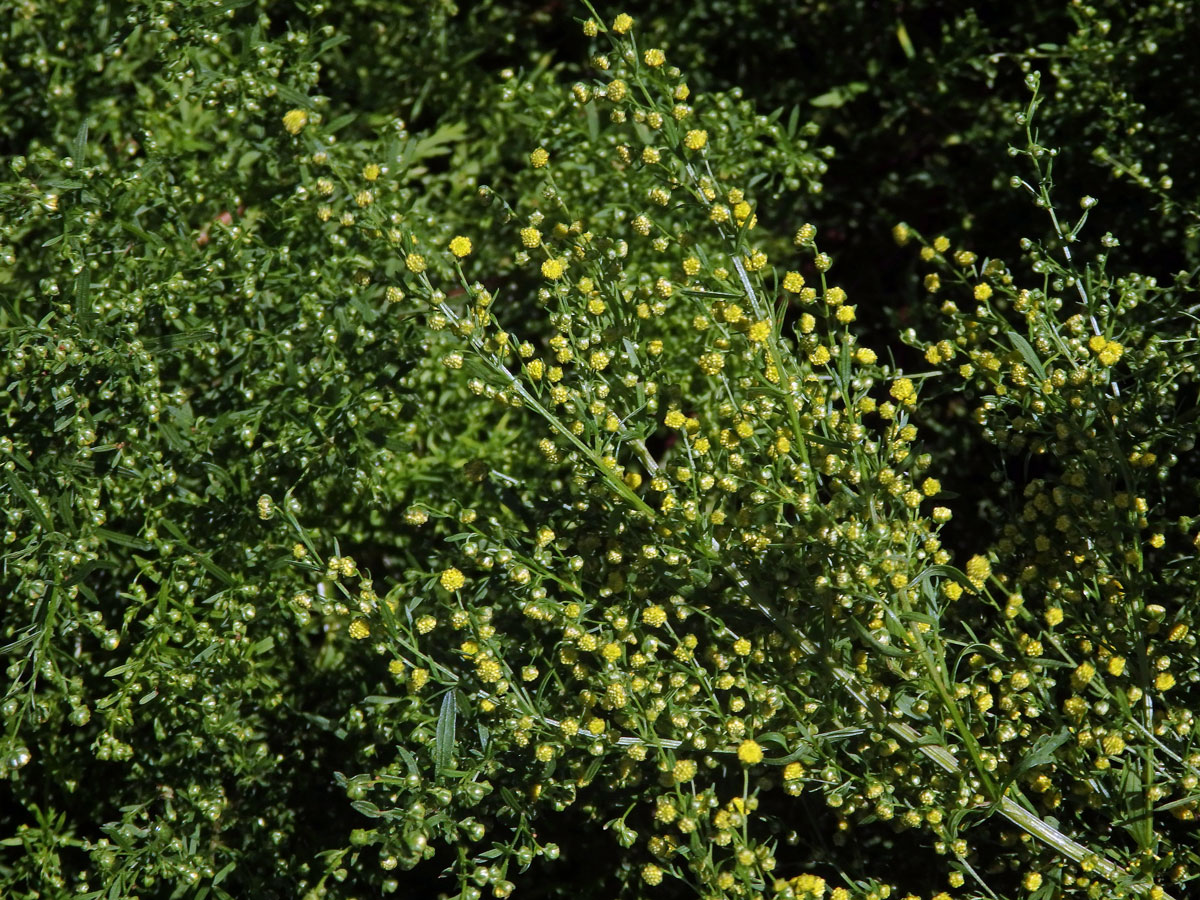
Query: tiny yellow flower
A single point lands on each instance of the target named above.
(617, 90)
(460, 246)
(695, 139)
(415, 263)
(531, 237)
(684, 770)
(371, 171)
(654, 57)
(750, 752)
(1082, 675)
(652, 874)
(711, 363)
(1113, 745)
(941, 244)
(983, 291)
(901, 234)
(978, 570)
(808, 886)
(452, 579)
(539, 157)
(804, 234)
(488, 670)
(294, 120)
(360, 629)
(903, 390)
(622, 23)
(553, 269)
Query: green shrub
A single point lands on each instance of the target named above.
(434, 468)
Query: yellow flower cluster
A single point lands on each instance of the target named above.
(294, 120)
(452, 579)
(1107, 351)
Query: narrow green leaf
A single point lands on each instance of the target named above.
(82, 292)
(409, 760)
(64, 184)
(380, 700)
(1028, 354)
(885, 649)
(79, 145)
(1043, 751)
(443, 749)
(367, 808)
(19, 487)
(223, 874)
(942, 572)
(123, 540)
(340, 122)
(906, 43)
(336, 41)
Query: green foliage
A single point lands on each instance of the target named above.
(441, 458)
